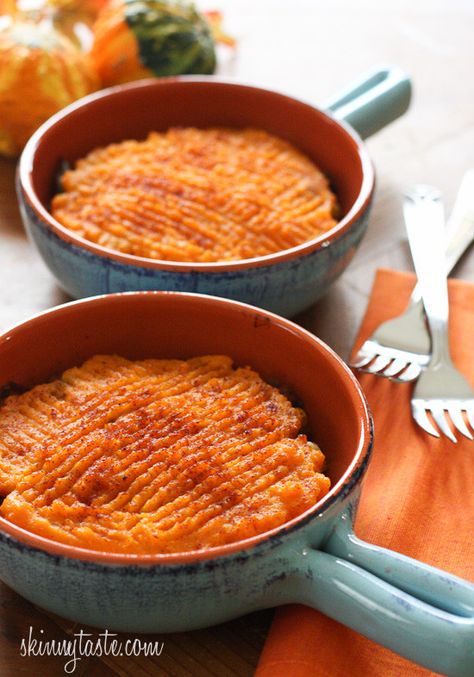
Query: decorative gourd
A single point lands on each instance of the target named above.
(91, 7)
(41, 71)
(7, 8)
(134, 39)
(74, 18)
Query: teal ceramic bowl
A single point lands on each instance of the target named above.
(424, 614)
(285, 282)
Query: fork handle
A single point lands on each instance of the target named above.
(424, 221)
(460, 229)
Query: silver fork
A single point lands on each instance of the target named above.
(400, 348)
(441, 389)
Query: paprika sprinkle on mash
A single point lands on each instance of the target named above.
(197, 195)
(155, 456)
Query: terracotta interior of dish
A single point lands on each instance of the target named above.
(135, 111)
(178, 325)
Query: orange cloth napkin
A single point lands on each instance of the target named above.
(418, 499)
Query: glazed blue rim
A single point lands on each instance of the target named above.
(254, 545)
(25, 169)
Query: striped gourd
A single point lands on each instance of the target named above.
(41, 71)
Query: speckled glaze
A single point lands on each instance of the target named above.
(285, 282)
(315, 559)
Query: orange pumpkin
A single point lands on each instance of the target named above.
(41, 71)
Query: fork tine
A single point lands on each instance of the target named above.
(397, 365)
(470, 415)
(410, 374)
(439, 416)
(379, 364)
(361, 359)
(457, 418)
(419, 414)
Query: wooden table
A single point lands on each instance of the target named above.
(308, 49)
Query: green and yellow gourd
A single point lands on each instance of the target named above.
(134, 39)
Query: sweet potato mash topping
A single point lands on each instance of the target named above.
(197, 195)
(155, 456)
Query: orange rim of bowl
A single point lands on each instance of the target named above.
(357, 209)
(349, 478)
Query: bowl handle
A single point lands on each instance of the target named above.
(421, 613)
(378, 98)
